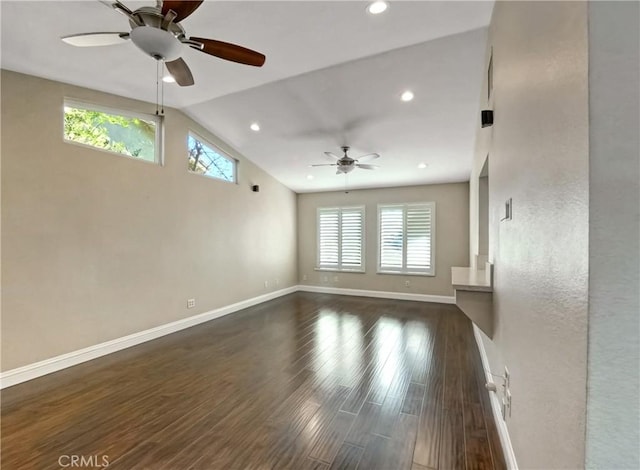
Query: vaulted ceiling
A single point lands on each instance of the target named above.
(333, 76)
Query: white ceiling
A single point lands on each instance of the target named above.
(333, 76)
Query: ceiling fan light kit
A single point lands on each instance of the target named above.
(157, 32)
(159, 44)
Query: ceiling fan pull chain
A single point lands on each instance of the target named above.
(160, 69)
(157, 87)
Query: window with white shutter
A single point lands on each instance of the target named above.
(341, 238)
(406, 238)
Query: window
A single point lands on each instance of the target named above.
(341, 238)
(406, 238)
(121, 132)
(206, 159)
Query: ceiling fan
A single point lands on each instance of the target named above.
(346, 164)
(158, 33)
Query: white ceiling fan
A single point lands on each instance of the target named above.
(158, 33)
(346, 164)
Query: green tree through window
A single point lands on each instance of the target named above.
(131, 136)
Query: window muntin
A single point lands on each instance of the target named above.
(406, 238)
(124, 133)
(341, 239)
(208, 160)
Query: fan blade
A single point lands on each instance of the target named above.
(182, 8)
(231, 52)
(368, 157)
(180, 71)
(332, 155)
(325, 164)
(95, 39)
(364, 166)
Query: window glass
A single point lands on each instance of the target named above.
(206, 159)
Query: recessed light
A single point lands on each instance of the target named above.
(422, 166)
(407, 95)
(378, 7)
(255, 127)
(168, 79)
(310, 177)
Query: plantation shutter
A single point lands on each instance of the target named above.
(340, 238)
(351, 238)
(406, 234)
(391, 237)
(328, 245)
(418, 223)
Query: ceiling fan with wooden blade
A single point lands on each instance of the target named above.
(347, 164)
(158, 33)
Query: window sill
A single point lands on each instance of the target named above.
(337, 270)
(405, 273)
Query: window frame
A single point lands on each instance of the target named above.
(431, 272)
(339, 268)
(158, 142)
(216, 149)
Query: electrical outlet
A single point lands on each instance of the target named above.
(191, 303)
(335, 278)
(266, 284)
(304, 277)
(407, 283)
(506, 394)
(325, 279)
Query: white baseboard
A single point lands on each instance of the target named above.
(54, 364)
(496, 408)
(442, 299)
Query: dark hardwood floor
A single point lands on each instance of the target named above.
(306, 381)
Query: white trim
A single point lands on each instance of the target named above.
(501, 425)
(442, 299)
(54, 364)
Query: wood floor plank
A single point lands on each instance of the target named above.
(400, 447)
(348, 457)
(373, 455)
(329, 442)
(427, 450)
(305, 381)
(452, 438)
(364, 424)
(412, 403)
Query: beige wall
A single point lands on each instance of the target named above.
(452, 237)
(613, 406)
(97, 246)
(539, 156)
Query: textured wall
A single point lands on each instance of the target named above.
(538, 156)
(97, 246)
(614, 236)
(452, 237)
